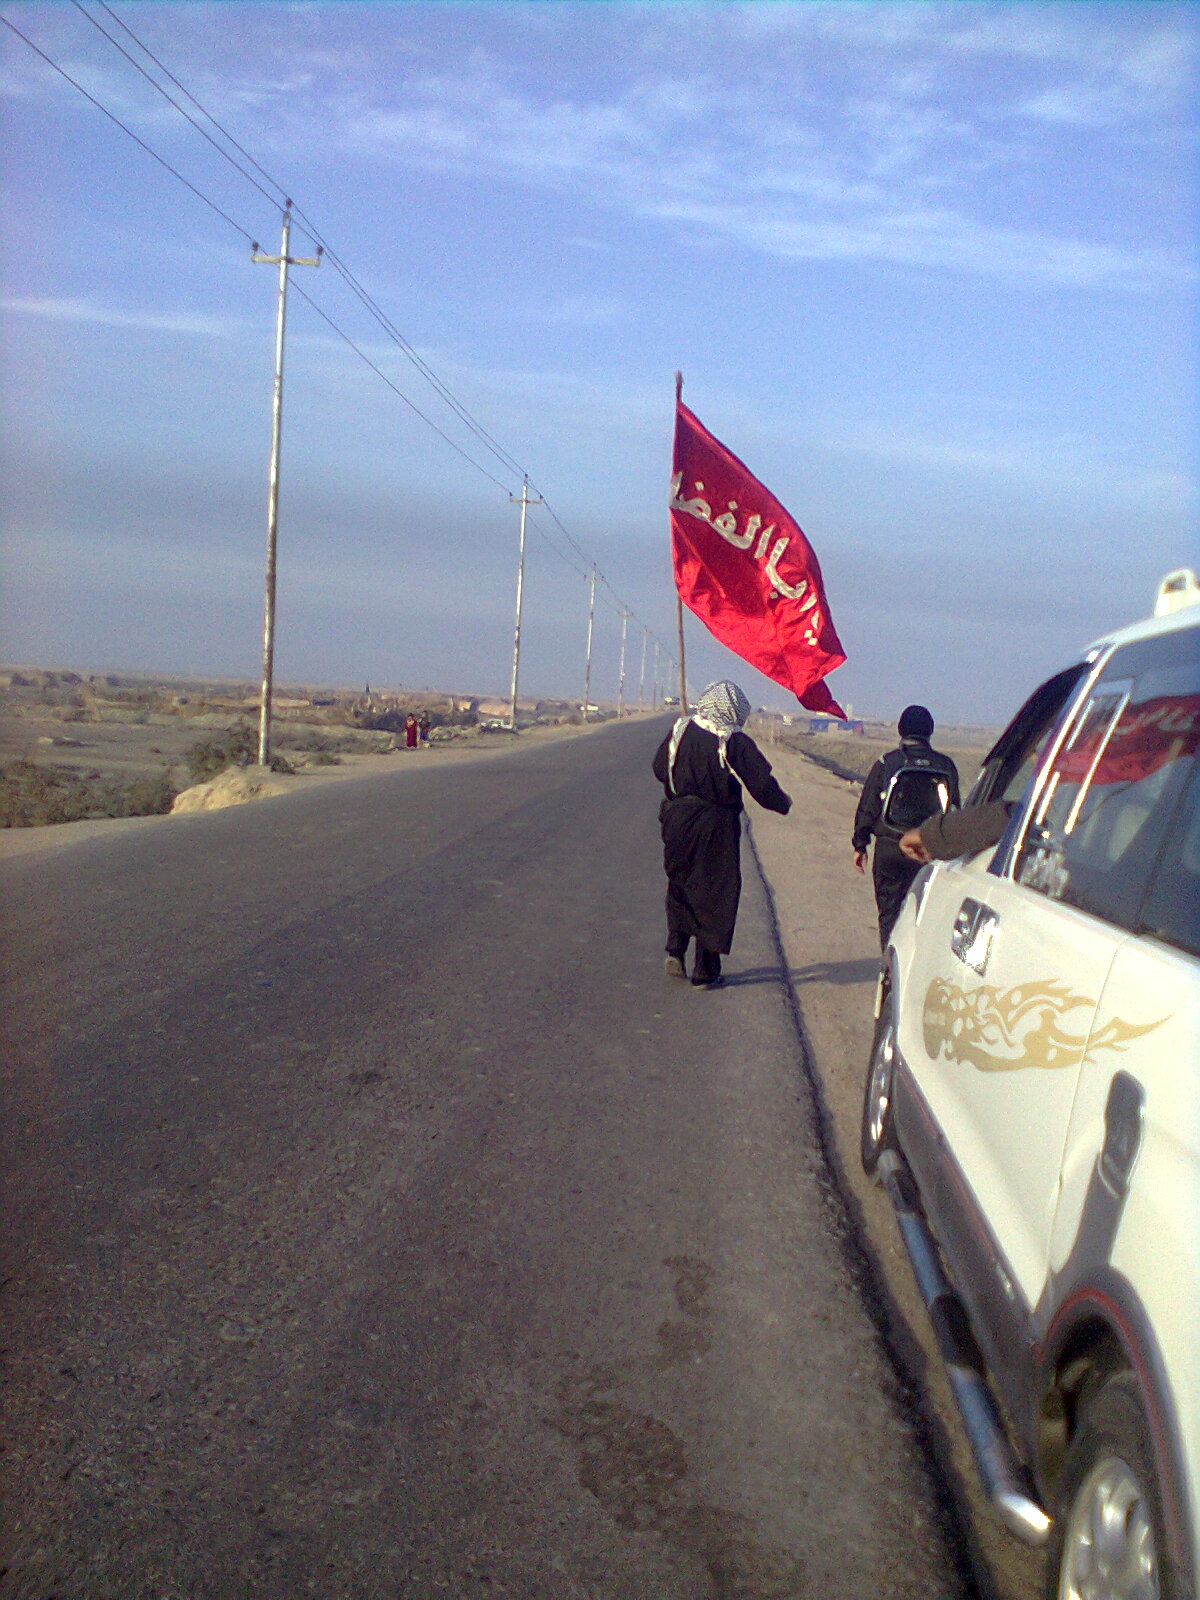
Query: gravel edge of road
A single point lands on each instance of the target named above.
(865, 1271)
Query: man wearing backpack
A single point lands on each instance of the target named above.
(903, 789)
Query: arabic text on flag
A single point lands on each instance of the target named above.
(744, 567)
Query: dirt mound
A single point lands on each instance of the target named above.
(233, 787)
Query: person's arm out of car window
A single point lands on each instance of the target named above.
(956, 833)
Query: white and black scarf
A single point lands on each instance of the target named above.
(721, 710)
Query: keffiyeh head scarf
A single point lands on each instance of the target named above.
(721, 710)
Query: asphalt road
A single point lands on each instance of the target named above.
(379, 1220)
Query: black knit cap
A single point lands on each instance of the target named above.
(915, 723)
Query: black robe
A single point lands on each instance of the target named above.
(701, 829)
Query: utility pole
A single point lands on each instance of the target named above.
(283, 261)
(525, 502)
(621, 673)
(642, 675)
(587, 671)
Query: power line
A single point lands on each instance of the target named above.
(348, 277)
(166, 71)
(334, 259)
(396, 390)
(331, 255)
(325, 317)
(137, 66)
(112, 117)
(476, 428)
(224, 215)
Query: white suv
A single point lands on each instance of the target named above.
(1033, 1110)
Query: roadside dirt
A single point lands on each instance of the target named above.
(826, 917)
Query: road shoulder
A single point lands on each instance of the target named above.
(825, 913)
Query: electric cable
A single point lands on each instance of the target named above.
(326, 318)
(112, 117)
(307, 227)
(340, 267)
(136, 65)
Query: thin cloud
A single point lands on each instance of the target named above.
(945, 240)
(1082, 41)
(865, 178)
(1046, 463)
(579, 311)
(872, 132)
(90, 312)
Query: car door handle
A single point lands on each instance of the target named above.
(971, 939)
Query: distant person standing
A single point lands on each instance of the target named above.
(423, 727)
(904, 788)
(702, 764)
(411, 732)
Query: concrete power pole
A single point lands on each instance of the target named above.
(642, 674)
(587, 671)
(283, 261)
(621, 672)
(525, 502)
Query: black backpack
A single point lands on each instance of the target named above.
(916, 791)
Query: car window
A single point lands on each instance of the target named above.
(1108, 800)
(1029, 761)
(1008, 765)
(1172, 909)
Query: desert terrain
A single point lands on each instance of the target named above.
(80, 748)
(76, 749)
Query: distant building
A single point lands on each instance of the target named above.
(835, 725)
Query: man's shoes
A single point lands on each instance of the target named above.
(706, 969)
(673, 967)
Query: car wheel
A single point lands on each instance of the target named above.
(877, 1101)
(1107, 1537)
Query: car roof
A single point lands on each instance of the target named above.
(1147, 628)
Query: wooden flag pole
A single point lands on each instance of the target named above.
(683, 702)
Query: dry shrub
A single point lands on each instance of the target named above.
(31, 796)
(237, 747)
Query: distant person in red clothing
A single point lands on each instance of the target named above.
(411, 732)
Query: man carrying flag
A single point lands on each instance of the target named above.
(746, 570)
(703, 764)
(743, 566)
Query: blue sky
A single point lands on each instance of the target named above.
(929, 269)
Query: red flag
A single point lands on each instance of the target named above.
(746, 570)
(1149, 734)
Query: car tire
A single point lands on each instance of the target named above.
(1106, 1541)
(877, 1133)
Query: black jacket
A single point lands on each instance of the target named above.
(868, 819)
